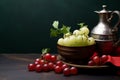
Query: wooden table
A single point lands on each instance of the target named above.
(14, 67)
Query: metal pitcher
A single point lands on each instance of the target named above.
(106, 35)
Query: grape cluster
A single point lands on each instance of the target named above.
(96, 60)
(49, 62)
(79, 37)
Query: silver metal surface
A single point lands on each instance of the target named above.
(103, 32)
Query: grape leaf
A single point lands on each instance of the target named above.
(81, 24)
(55, 31)
(45, 50)
(55, 24)
(65, 29)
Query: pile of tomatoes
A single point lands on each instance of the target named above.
(49, 62)
(98, 60)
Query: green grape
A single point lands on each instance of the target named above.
(84, 40)
(81, 32)
(79, 40)
(60, 41)
(84, 30)
(67, 35)
(91, 41)
(72, 40)
(76, 32)
(66, 41)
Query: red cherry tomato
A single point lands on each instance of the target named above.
(96, 59)
(36, 62)
(91, 63)
(53, 58)
(47, 57)
(38, 59)
(41, 62)
(59, 63)
(31, 67)
(66, 71)
(73, 70)
(45, 67)
(58, 69)
(51, 65)
(104, 58)
(64, 66)
(38, 68)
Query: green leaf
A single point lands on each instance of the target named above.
(53, 32)
(81, 24)
(55, 24)
(45, 50)
(85, 25)
(65, 29)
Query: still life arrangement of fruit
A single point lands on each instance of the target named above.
(73, 46)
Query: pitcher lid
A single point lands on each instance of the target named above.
(104, 10)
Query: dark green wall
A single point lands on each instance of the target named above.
(25, 24)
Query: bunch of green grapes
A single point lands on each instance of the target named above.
(77, 38)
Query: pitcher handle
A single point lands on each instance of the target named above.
(115, 28)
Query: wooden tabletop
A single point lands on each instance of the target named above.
(14, 67)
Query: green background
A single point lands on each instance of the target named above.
(25, 24)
